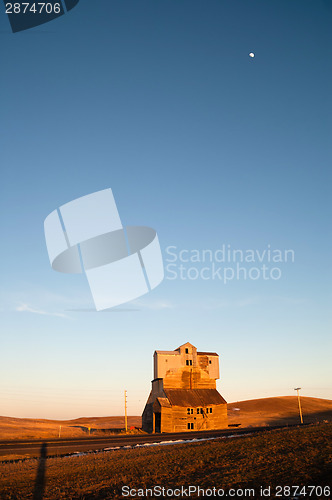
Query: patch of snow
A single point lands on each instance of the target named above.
(236, 435)
(161, 443)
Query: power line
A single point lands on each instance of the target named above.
(125, 398)
(298, 398)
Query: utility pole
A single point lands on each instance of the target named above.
(125, 398)
(298, 398)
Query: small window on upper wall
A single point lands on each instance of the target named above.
(188, 411)
(187, 362)
(202, 411)
(191, 410)
(210, 361)
(187, 350)
(188, 425)
(190, 362)
(197, 410)
(210, 410)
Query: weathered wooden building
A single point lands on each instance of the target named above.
(184, 395)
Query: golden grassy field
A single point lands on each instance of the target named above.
(30, 428)
(279, 411)
(299, 456)
(256, 412)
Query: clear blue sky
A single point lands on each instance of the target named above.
(160, 101)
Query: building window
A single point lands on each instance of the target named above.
(187, 350)
(191, 410)
(202, 411)
(210, 361)
(190, 425)
(197, 410)
(189, 362)
(188, 411)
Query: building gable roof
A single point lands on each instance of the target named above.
(207, 353)
(164, 402)
(187, 344)
(194, 397)
(169, 353)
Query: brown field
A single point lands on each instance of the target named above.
(30, 428)
(279, 411)
(252, 413)
(299, 456)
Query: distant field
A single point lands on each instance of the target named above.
(299, 456)
(256, 412)
(279, 411)
(30, 428)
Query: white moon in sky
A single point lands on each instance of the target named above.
(251, 54)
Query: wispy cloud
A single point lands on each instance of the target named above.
(45, 298)
(254, 301)
(154, 305)
(27, 308)
(289, 300)
(239, 303)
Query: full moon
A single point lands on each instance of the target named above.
(251, 54)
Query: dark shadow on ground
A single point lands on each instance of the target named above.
(38, 493)
(308, 418)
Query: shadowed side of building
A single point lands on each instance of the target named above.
(184, 395)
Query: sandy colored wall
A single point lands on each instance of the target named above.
(175, 419)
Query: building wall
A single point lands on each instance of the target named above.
(210, 364)
(147, 418)
(189, 378)
(158, 388)
(167, 363)
(176, 419)
(167, 420)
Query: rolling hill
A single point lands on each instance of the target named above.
(282, 410)
(252, 413)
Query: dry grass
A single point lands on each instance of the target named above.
(30, 428)
(255, 412)
(279, 411)
(301, 456)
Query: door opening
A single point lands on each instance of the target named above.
(157, 422)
